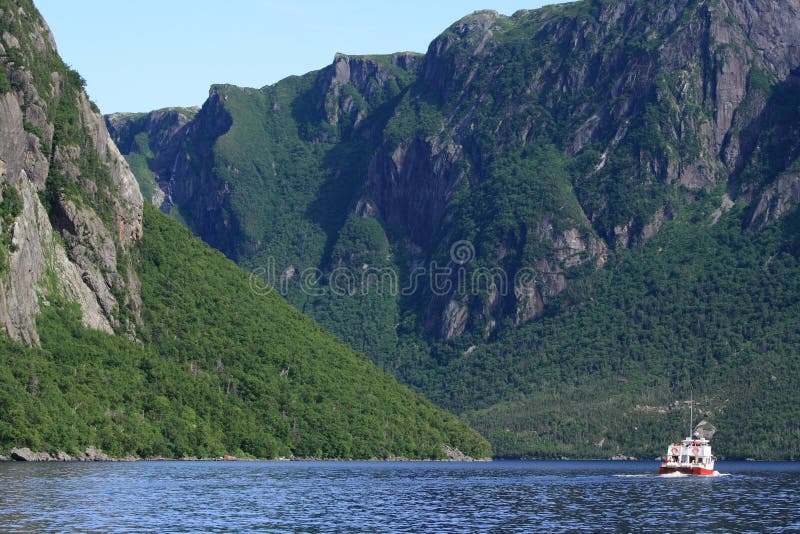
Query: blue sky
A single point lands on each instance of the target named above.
(149, 54)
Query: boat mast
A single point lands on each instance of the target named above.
(691, 412)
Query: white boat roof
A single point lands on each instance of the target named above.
(688, 442)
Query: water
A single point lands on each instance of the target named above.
(395, 497)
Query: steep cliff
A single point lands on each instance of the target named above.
(643, 115)
(80, 210)
(150, 142)
(584, 126)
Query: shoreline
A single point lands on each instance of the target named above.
(92, 454)
(8, 459)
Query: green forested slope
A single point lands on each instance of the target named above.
(223, 369)
(702, 308)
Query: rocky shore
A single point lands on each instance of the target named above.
(91, 454)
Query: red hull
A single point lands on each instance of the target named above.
(665, 470)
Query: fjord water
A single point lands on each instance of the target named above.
(395, 497)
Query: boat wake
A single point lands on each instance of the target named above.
(676, 474)
(687, 475)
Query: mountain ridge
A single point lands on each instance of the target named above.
(544, 148)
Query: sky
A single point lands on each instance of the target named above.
(150, 54)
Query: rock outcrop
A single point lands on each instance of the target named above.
(455, 455)
(705, 429)
(352, 86)
(657, 107)
(91, 454)
(24, 454)
(54, 148)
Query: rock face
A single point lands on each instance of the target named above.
(93, 455)
(161, 133)
(548, 140)
(455, 455)
(344, 108)
(204, 199)
(54, 148)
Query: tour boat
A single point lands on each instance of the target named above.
(692, 457)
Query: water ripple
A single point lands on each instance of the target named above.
(395, 497)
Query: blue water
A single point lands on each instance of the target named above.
(395, 497)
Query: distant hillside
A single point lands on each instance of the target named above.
(473, 218)
(125, 332)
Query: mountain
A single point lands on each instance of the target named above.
(127, 333)
(557, 223)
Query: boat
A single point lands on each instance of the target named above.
(692, 456)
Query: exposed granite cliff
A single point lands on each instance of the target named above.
(81, 209)
(352, 86)
(623, 79)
